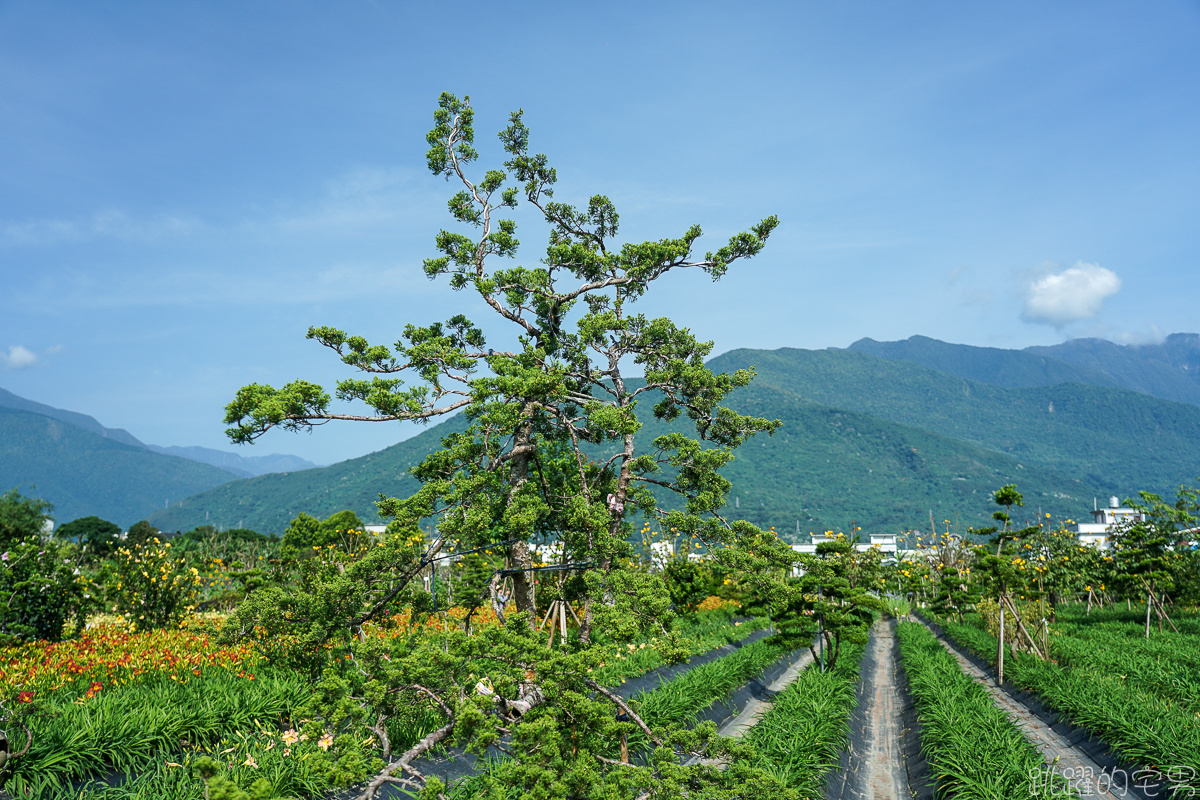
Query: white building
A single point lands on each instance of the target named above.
(886, 542)
(1097, 532)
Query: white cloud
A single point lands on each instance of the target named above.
(1069, 295)
(18, 357)
(1153, 335)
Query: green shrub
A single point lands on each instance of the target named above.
(21, 518)
(152, 587)
(39, 591)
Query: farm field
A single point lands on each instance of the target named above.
(143, 705)
(240, 667)
(126, 714)
(1136, 695)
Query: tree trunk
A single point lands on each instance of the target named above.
(518, 552)
(518, 555)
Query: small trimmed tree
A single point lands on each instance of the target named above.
(833, 599)
(1147, 550)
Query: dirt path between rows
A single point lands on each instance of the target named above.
(874, 765)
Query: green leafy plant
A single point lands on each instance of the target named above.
(973, 749)
(152, 587)
(40, 590)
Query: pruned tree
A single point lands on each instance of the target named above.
(550, 449)
(551, 442)
(1148, 548)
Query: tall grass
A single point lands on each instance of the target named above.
(1143, 725)
(131, 729)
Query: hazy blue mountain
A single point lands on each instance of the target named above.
(244, 466)
(83, 473)
(268, 502)
(10, 400)
(1170, 369)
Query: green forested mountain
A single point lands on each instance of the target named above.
(16, 403)
(240, 465)
(823, 469)
(1169, 370)
(83, 473)
(1117, 440)
(886, 443)
(267, 503)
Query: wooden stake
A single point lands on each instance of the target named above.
(1000, 654)
(1148, 596)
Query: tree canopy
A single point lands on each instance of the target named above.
(99, 536)
(21, 517)
(550, 449)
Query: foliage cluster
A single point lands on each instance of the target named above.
(153, 587)
(836, 598)
(39, 586)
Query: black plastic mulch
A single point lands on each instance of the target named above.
(845, 782)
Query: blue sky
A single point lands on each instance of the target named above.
(186, 187)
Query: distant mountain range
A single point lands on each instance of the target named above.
(883, 435)
(84, 468)
(1170, 370)
(871, 434)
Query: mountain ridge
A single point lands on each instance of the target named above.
(1169, 370)
(83, 473)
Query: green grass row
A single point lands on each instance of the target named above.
(808, 724)
(973, 749)
(681, 701)
(1113, 640)
(140, 728)
(1144, 725)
